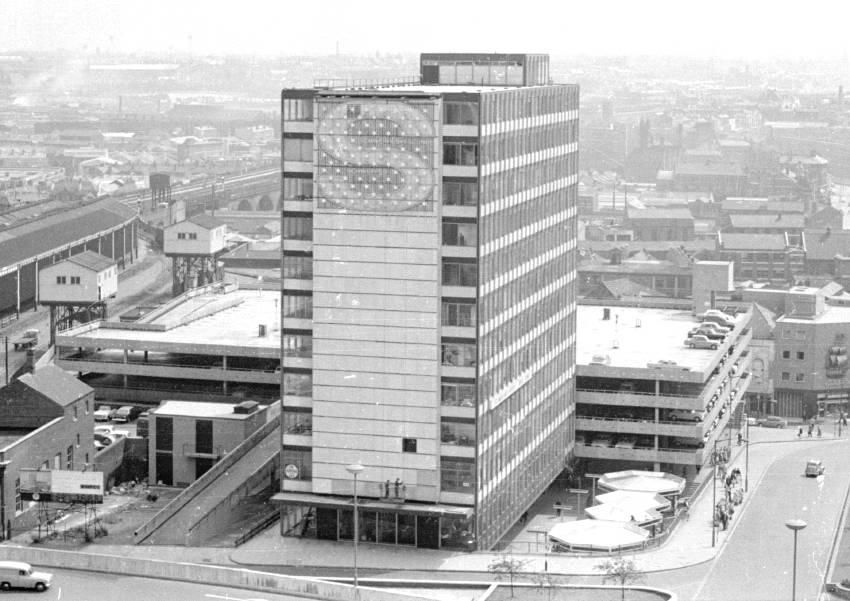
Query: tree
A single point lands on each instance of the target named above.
(549, 580)
(507, 567)
(622, 570)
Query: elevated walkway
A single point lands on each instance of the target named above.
(208, 508)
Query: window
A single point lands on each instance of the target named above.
(75, 280)
(460, 193)
(87, 407)
(457, 475)
(297, 384)
(298, 109)
(458, 394)
(460, 274)
(75, 412)
(298, 149)
(460, 234)
(786, 376)
(408, 445)
(800, 334)
(57, 461)
(297, 188)
(19, 504)
(297, 422)
(786, 354)
(460, 153)
(458, 314)
(69, 457)
(460, 113)
(801, 355)
(458, 354)
(298, 267)
(297, 463)
(78, 439)
(164, 427)
(193, 236)
(457, 433)
(786, 333)
(801, 377)
(297, 345)
(61, 279)
(297, 227)
(181, 235)
(45, 465)
(298, 306)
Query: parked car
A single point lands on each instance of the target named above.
(814, 467)
(102, 440)
(708, 333)
(626, 442)
(18, 574)
(602, 440)
(685, 415)
(724, 319)
(772, 421)
(104, 413)
(127, 413)
(110, 431)
(700, 341)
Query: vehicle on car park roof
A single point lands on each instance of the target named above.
(700, 341)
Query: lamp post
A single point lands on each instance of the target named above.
(354, 469)
(796, 526)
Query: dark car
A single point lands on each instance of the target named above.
(142, 424)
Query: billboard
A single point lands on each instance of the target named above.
(62, 486)
(378, 154)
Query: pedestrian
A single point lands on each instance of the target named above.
(558, 509)
(800, 432)
(819, 432)
(740, 438)
(811, 428)
(523, 518)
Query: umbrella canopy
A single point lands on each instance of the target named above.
(632, 499)
(615, 513)
(602, 535)
(643, 481)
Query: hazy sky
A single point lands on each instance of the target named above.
(723, 28)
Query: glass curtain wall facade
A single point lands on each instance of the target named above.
(527, 230)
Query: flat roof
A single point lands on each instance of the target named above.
(659, 337)
(202, 409)
(224, 322)
(832, 314)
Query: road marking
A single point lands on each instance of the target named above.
(227, 597)
(59, 596)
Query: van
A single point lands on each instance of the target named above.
(18, 574)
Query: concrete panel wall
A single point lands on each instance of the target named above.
(376, 344)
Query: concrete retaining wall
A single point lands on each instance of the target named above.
(195, 573)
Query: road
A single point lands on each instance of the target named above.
(71, 585)
(756, 564)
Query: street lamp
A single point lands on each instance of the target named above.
(796, 526)
(354, 469)
(747, 459)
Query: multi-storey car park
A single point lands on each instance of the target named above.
(644, 399)
(211, 344)
(429, 259)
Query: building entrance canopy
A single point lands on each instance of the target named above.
(643, 481)
(597, 535)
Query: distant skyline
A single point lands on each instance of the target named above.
(722, 28)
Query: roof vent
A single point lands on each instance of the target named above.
(245, 407)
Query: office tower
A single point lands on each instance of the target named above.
(428, 306)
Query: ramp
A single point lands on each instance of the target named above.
(203, 509)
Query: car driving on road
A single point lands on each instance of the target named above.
(772, 421)
(814, 467)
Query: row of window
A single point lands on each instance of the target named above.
(61, 280)
(801, 355)
(187, 236)
(454, 193)
(460, 234)
(798, 377)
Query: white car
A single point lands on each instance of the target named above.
(104, 413)
(17, 574)
(685, 415)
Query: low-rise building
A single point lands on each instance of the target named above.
(762, 257)
(670, 223)
(187, 438)
(46, 422)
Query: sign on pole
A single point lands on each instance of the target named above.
(61, 486)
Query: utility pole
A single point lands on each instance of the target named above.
(6, 356)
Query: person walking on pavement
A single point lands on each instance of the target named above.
(800, 432)
(819, 432)
(811, 428)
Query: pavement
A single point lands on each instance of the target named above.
(689, 544)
